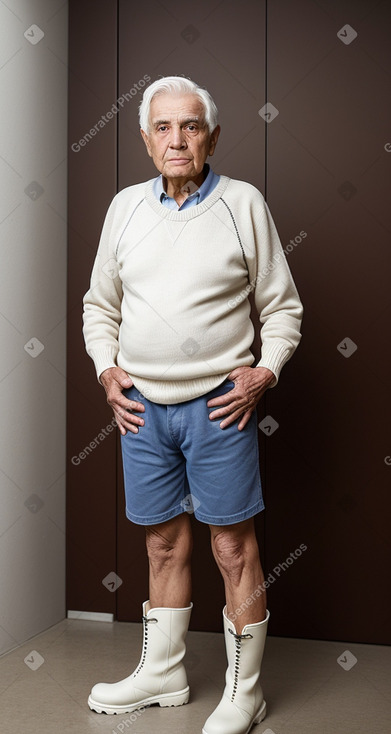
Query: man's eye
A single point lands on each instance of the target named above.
(162, 128)
(191, 127)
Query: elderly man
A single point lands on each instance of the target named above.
(167, 323)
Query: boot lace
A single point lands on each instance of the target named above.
(238, 647)
(146, 621)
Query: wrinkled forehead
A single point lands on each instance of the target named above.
(176, 108)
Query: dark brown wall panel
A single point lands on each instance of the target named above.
(327, 174)
(91, 510)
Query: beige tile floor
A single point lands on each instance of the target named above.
(307, 690)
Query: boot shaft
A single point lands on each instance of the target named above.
(164, 632)
(244, 655)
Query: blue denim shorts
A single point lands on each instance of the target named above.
(181, 461)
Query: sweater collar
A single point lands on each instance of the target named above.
(184, 214)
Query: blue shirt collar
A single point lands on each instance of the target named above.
(207, 186)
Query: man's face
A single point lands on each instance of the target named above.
(179, 141)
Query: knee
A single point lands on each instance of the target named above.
(165, 549)
(230, 554)
(159, 547)
(235, 548)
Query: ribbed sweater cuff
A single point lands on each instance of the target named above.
(273, 358)
(104, 358)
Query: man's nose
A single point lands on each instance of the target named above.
(177, 139)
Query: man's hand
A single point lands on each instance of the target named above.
(114, 380)
(250, 385)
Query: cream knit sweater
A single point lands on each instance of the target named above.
(168, 300)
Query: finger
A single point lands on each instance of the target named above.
(121, 428)
(119, 400)
(238, 372)
(120, 377)
(135, 406)
(125, 425)
(115, 394)
(222, 411)
(123, 378)
(221, 399)
(128, 410)
(245, 419)
(125, 382)
(232, 375)
(231, 418)
(128, 418)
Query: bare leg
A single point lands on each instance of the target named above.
(236, 552)
(169, 547)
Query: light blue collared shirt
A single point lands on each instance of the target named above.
(206, 188)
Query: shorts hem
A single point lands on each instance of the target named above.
(231, 519)
(155, 519)
(209, 520)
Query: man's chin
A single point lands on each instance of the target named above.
(175, 169)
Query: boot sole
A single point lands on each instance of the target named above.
(179, 698)
(257, 719)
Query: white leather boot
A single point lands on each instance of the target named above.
(242, 704)
(160, 676)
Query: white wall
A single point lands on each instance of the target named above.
(33, 148)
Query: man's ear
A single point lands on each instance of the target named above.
(213, 139)
(146, 141)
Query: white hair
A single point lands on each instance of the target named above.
(176, 85)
